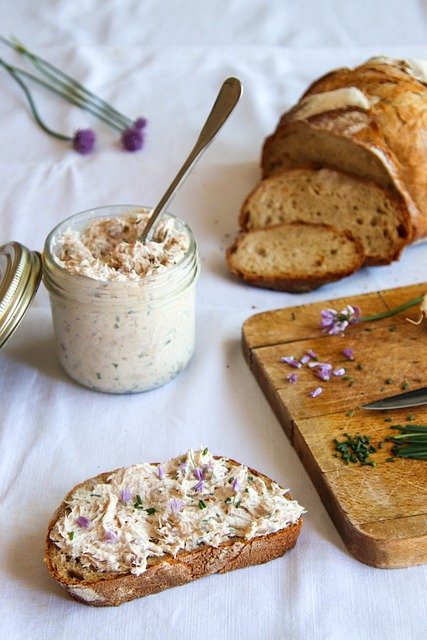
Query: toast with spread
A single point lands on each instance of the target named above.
(145, 528)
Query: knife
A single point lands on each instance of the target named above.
(400, 401)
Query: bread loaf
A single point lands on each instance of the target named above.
(349, 203)
(295, 257)
(139, 530)
(370, 121)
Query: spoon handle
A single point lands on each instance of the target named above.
(225, 102)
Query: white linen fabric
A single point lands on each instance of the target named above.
(166, 61)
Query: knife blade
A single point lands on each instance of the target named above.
(400, 401)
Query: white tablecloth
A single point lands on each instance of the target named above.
(166, 61)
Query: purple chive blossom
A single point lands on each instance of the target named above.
(199, 473)
(236, 485)
(339, 372)
(140, 123)
(324, 371)
(290, 360)
(334, 323)
(348, 353)
(125, 495)
(111, 536)
(161, 473)
(305, 359)
(83, 522)
(132, 139)
(311, 353)
(84, 141)
(316, 392)
(199, 486)
(175, 505)
(292, 378)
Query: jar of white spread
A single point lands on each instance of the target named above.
(123, 312)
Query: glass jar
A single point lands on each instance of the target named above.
(122, 336)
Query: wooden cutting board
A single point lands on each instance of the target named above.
(380, 512)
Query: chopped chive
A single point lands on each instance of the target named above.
(388, 419)
(359, 366)
(388, 381)
(205, 451)
(151, 511)
(405, 385)
(71, 535)
(202, 505)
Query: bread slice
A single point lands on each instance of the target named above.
(370, 121)
(346, 202)
(228, 495)
(295, 257)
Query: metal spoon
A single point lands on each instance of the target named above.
(225, 102)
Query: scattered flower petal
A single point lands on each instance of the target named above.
(311, 353)
(199, 474)
(292, 378)
(161, 473)
(339, 372)
(175, 505)
(83, 522)
(324, 372)
(199, 486)
(111, 536)
(305, 359)
(290, 360)
(348, 353)
(316, 392)
(236, 485)
(125, 495)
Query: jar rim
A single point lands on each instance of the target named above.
(115, 210)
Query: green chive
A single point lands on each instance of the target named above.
(151, 511)
(71, 535)
(205, 451)
(202, 505)
(388, 381)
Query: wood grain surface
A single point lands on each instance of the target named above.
(380, 511)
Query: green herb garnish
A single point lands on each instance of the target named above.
(355, 449)
(151, 511)
(71, 535)
(138, 502)
(202, 505)
(204, 452)
(411, 441)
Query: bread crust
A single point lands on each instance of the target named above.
(102, 589)
(393, 130)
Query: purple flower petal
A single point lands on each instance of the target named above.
(161, 473)
(311, 353)
(236, 485)
(348, 353)
(199, 486)
(111, 536)
(339, 372)
(316, 392)
(132, 139)
(84, 141)
(324, 372)
(305, 359)
(125, 495)
(292, 377)
(290, 360)
(175, 505)
(83, 522)
(199, 473)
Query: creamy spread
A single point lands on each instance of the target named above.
(330, 100)
(110, 249)
(123, 312)
(416, 67)
(151, 510)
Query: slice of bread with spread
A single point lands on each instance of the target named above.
(142, 529)
(294, 257)
(346, 202)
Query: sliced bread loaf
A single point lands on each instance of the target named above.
(142, 529)
(295, 257)
(344, 201)
(370, 121)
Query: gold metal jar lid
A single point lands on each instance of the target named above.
(20, 275)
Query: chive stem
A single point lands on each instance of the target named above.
(392, 312)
